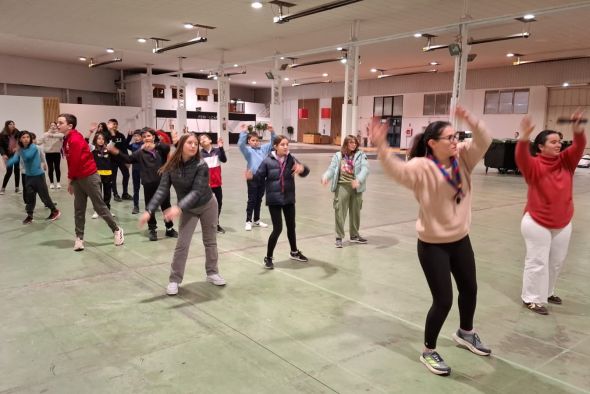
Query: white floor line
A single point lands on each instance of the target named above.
(409, 323)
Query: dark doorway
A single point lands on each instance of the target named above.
(394, 130)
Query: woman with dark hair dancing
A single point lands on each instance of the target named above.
(546, 225)
(439, 174)
(8, 146)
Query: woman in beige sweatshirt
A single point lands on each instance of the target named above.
(439, 174)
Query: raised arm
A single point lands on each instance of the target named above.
(481, 138)
(242, 144)
(574, 153)
(331, 171)
(522, 154)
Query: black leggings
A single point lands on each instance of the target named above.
(438, 262)
(53, 164)
(255, 195)
(219, 196)
(121, 165)
(277, 226)
(9, 174)
(106, 184)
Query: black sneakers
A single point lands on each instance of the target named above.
(117, 198)
(135, 210)
(126, 196)
(153, 235)
(170, 232)
(537, 308)
(297, 255)
(220, 229)
(358, 239)
(28, 220)
(472, 342)
(268, 263)
(554, 300)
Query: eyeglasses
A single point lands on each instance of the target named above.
(450, 138)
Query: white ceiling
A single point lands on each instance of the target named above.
(63, 30)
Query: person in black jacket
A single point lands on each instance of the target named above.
(8, 145)
(277, 171)
(150, 158)
(117, 138)
(104, 165)
(190, 177)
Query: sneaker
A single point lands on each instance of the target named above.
(58, 186)
(248, 226)
(126, 196)
(220, 229)
(113, 214)
(94, 215)
(117, 198)
(28, 220)
(537, 308)
(338, 242)
(119, 237)
(268, 263)
(554, 300)
(170, 232)
(78, 244)
(135, 210)
(17, 190)
(260, 223)
(153, 235)
(471, 342)
(54, 215)
(51, 186)
(435, 363)
(2, 191)
(297, 255)
(216, 279)
(172, 288)
(358, 239)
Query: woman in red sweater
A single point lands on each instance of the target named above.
(546, 224)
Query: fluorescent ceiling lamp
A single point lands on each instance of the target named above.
(281, 18)
(373, 70)
(114, 60)
(256, 4)
(528, 17)
(82, 59)
(188, 25)
(324, 74)
(403, 74)
(565, 84)
(310, 83)
(253, 82)
(110, 50)
(195, 40)
(141, 40)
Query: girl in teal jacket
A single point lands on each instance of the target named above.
(348, 173)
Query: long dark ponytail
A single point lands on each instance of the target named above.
(420, 146)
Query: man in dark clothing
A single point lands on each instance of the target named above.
(120, 142)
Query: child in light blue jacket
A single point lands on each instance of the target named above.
(348, 173)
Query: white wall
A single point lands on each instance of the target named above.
(129, 118)
(26, 112)
(26, 71)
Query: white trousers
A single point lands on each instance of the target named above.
(546, 250)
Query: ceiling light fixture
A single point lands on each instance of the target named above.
(253, 82)
(324, 74)
(256, 5)
(417, 35)
(373, 70)
(341, 59)
(141, 40)
(434, 63)
(286, 79)
(310, 83)
(236, 65)
(114, 60)
(82, 59)
(565, 84)
(528, 17)
(110, 50)
(188, 26)
(510, 54)
(404, 74)
(158, 49)
(282, 18)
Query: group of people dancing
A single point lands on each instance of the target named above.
(438, 172)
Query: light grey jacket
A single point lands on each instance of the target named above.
(361, 170)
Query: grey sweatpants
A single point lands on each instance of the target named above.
(188, 222)
(85, 188)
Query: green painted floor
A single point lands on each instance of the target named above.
(349, 321)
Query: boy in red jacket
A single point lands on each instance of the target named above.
(214, 157)
(84, 181)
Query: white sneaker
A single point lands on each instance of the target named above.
(2, 191)
(78, 244)
(112, 214)
(172, 288)
(51, 186)
(119, 238)
(260, 223)
(94, 215)
(216, 279)
(58, 186)
(248, 226)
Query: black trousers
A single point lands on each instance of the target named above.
(136, 177)
(277, 226)
(149, 189)
(53, 164)
(219, 196)
(438, 262)
(255, 195)
(8, 174)
(106, 184)
(121, 165)
(24, 183)
(37, 185)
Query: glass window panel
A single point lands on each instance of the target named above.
(505, 106)
(378, 106)
(491, 102)
(388, 106)
(398, 105)
(521, 101)
(428, 104)
(441, 107)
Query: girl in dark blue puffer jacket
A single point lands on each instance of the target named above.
(277, 171)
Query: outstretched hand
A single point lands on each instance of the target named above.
(220, 142)
(172, 213)
(378, 132)
(465, 115)
(143, 219)
(577, 126)
(526, 127)
(298, 168)
(248, 174)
